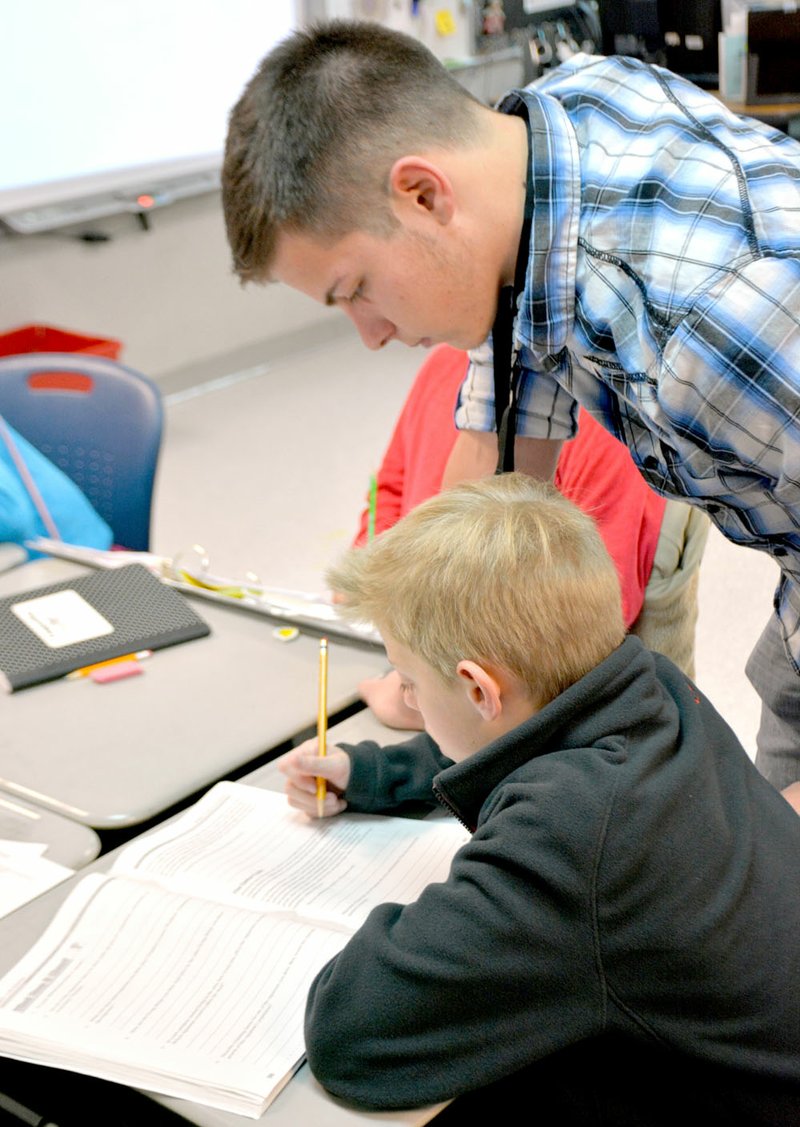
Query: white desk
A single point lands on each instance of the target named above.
(269, 473)
(303, 1101)
(114, 755)
(68, 843)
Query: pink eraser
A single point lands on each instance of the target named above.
(116, 671)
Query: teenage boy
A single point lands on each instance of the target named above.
(650, 236)
(598, 950)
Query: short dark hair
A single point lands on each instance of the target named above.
(313, 137)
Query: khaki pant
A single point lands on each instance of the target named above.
(669, 614)
(774, 679)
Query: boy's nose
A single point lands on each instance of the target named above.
(374, 330)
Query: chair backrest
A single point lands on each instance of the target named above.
(99, 421)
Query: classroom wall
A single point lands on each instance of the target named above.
(167, 293)
(448, 27)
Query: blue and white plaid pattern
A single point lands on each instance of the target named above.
(663, 294)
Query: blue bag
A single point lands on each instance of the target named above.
(38, 499)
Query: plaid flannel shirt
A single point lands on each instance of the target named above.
(663, 294)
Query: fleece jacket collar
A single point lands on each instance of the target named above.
(621, 693)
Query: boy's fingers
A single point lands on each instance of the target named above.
(308, 747)
(335, 768)
(307, 803)
(294, 764)
(303, 768)
(328, 766)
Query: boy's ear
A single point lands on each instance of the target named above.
(482, 688)
(421, 190)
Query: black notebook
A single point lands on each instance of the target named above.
(51, 631)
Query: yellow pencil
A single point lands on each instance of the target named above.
(322, 719)
(87, 669)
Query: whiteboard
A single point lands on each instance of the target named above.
(104, 101)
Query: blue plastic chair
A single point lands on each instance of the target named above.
(99, 421)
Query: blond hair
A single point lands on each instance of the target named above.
(504, 571)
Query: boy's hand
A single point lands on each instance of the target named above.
(303, 765)
(385, 697)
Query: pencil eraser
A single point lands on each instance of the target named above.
(116, 672)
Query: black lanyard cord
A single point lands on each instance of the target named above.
(506, 374)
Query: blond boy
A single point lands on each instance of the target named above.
(625, 852)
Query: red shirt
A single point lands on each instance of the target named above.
(594, 470)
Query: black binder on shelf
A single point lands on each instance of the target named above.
(51, 631)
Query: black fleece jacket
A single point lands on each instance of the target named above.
(630, 874)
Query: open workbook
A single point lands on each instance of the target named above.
(184, 970)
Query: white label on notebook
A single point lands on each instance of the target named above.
(62, 619)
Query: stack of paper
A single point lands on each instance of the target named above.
(185, 971)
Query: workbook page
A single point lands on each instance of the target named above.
(166, 992)
(245, 846)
